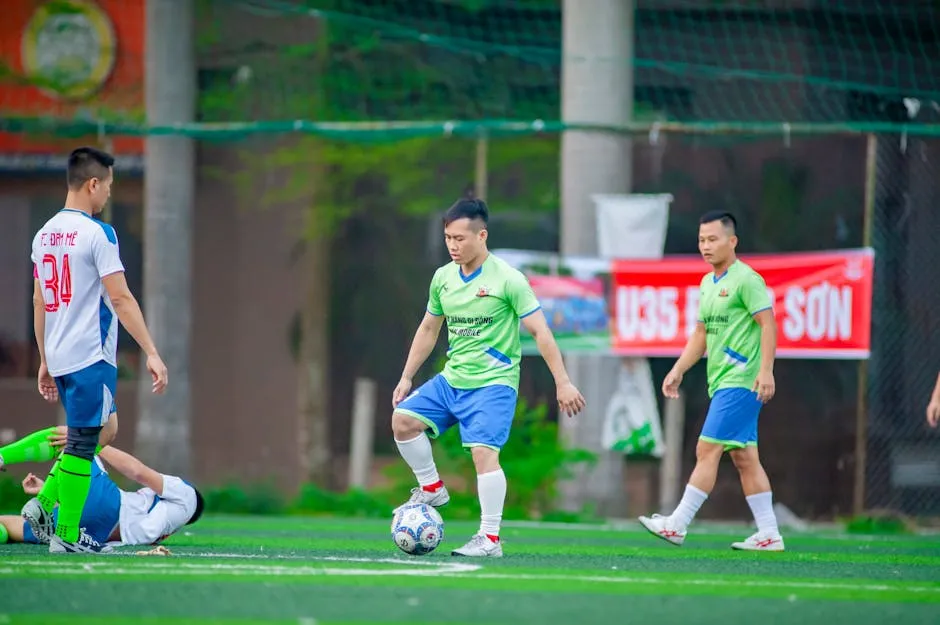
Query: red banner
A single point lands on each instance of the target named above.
(822, 302)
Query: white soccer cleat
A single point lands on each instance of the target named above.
(661, 526)
(760, 542)
(40, 521)
(480, 547)
(84, 544)
(438, 498)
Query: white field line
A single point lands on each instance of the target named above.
(404, 561)
(113, 567)
(119, 566)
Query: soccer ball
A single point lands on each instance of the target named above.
(417, 529)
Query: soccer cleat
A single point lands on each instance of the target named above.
(661, 526)
(84, 544)
(40, 521)
(436, 499)
(760, 542)
(480, 547)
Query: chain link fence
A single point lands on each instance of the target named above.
(901, 459)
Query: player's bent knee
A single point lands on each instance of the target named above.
(485, 459)
(745, 459)
(406, 427)
(109, 431)
(81, 442)
(706, 451)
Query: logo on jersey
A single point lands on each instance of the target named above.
(484, 291)
(723, 293)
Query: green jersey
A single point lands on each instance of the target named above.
(727, 306)
(482, 312)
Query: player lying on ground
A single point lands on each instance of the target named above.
(736, 326)
(111, 516)
(482, 298)
(79, 294)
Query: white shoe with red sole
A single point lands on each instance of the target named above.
(661, 526)
(760, 542)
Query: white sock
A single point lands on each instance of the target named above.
(762, 506)
(692, 500)
(492, 489)
(417, 453)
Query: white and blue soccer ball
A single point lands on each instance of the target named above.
(417, 529)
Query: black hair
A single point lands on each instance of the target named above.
(467, 208)
(87, 163)
(727, 219)
(200, 506)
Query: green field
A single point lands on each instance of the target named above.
(306, 571)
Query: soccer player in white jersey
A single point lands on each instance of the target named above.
(111, 516)
(484, 300)
(79, 295)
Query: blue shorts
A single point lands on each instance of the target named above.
(102, 510)
(484, 414)
(88, 395)
(732, 418)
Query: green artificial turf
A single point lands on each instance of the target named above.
(308, 571)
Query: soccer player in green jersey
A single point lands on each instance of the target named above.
(483, 299)
(736, 327)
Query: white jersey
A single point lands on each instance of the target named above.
(147, 518)
(71, 253)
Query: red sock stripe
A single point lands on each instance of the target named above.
(433, 488)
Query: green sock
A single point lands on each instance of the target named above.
(33, 447)
(74, 482)
(49, 493)
(4, 534)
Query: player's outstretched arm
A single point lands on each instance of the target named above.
(133, 469)
(692, 352)
(764, 384)
(421, 347)
(570, 400)
(131, 317)
(47, 387)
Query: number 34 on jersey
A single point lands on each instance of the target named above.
(56, 281)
